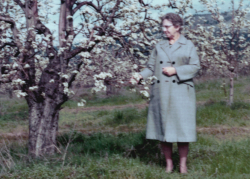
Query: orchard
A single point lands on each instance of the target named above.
(103, 40)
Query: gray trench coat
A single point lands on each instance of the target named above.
(172, 107)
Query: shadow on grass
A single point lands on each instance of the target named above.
(129, 145)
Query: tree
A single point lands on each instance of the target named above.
(43, 72)
(223, 48)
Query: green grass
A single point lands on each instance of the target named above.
(127, 116)
(13, 113)
(121, 99)
(110, 147)
(219, 113)
(103, 155)
(212, 90)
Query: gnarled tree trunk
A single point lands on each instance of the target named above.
(43, 126)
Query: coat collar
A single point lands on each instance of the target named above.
(182, 40)
(165, 45)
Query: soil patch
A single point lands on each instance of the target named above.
(220, 132)
(106, 108)
(109, 108)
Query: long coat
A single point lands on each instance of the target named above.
(172, 107)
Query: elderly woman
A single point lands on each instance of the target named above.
(172, 108)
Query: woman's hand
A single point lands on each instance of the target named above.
(169, 71)
(135, 79)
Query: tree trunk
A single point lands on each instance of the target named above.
(231, 98)
(43, 126)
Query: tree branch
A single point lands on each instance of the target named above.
(20, 4)
(172, 5)
(42, 29)
(72, 78)
(142, 2)
(14, 30)
(10, 44)
(79, 5)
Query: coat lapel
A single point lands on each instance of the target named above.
(164, 46)
(181, 41)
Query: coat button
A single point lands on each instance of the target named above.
(173, 63)
(173, 81)
(158, 81)
(160, 62)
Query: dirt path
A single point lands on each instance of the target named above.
(106, 108)
(221, 132)
(109, 108)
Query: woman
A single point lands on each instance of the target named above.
(172, 108)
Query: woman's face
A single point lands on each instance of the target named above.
(169, 29)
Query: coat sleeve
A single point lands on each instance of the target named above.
(189, 71)
(149, 70)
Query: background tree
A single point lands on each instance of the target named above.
(224, 47)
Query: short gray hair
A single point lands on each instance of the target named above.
(174, 18)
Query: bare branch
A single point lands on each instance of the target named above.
(172, 5)
(79, 5)
(142, 2)
(9, 44)
(20, 4)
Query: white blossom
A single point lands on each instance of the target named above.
(26, 66)
(19, 93)
(85, 54)
(135, 66)
(69, 17)
(75, 72)
(33, 88)
(65, 76)
(18, 82)
(81, 103)
(145, 93)
(15, 65)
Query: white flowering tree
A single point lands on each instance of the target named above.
(42, 65)
(224, 47)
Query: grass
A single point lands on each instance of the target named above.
(125, 97)
(111, 143)
(127, 116)
(219, 113)
(212, 90)
(129, 155)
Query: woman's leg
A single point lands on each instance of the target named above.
(183, 152)
(167, 150)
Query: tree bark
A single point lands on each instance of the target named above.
(43, 126)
